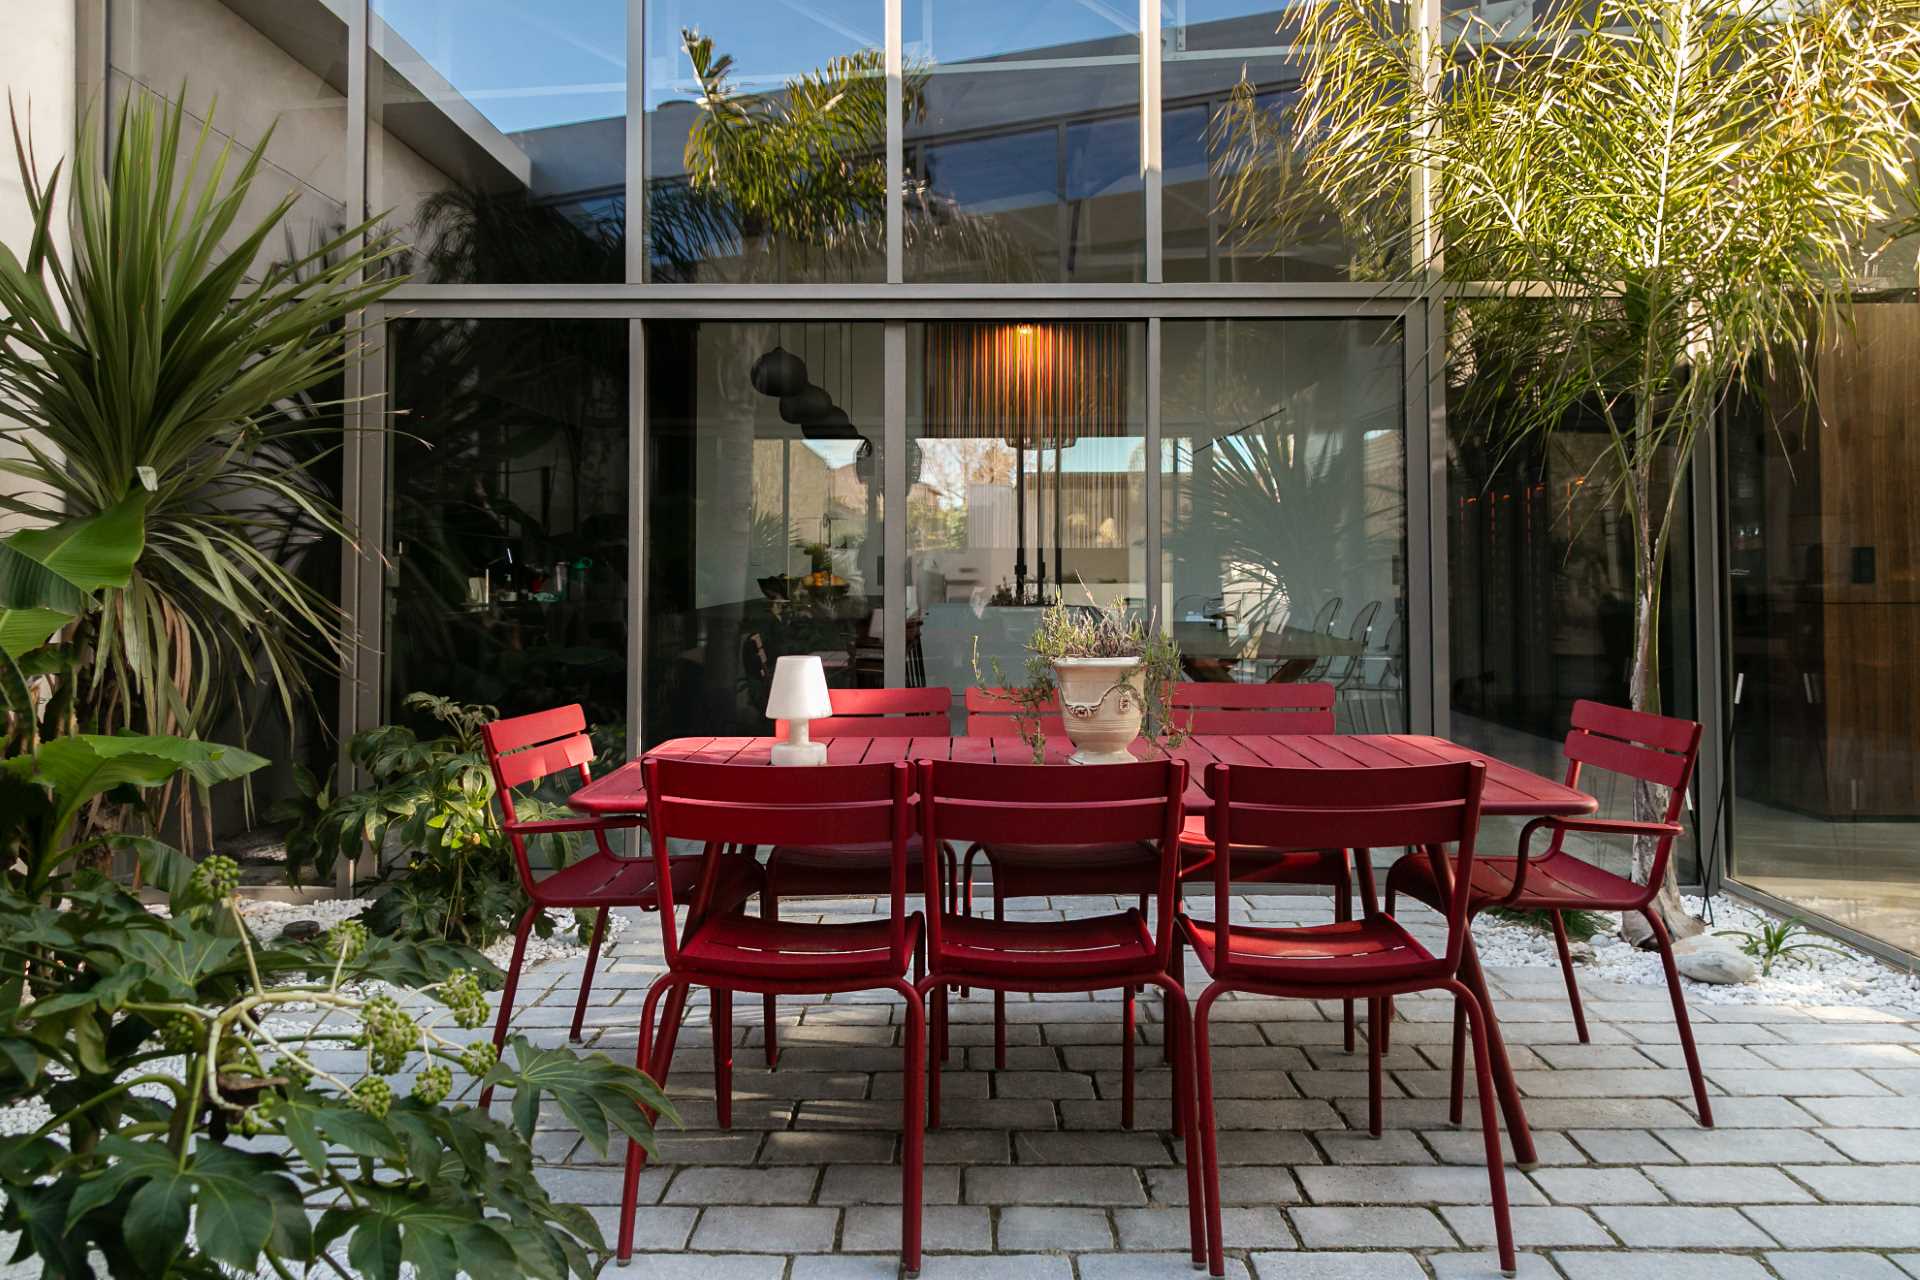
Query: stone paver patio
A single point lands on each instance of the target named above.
(1813, 1172)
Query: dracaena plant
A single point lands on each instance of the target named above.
(1644, 207)
(164, 350)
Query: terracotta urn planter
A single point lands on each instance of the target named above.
(1102, 720)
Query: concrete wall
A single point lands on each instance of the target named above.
(37, 72)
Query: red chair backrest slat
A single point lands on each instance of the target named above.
(1058, 805)
(523, 749)
(881, 713)
(1423, 806)
(530, 764)
(824, 806)
(1221, 707)
(992, 713)
(539, 726)
(1634, 744)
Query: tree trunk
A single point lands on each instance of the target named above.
(1650, 799)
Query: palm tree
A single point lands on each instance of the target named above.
(1649, 203)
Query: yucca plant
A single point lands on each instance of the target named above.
(1652, 205)
(163, 352)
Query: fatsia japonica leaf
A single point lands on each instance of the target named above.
(240, 1202)
(594, 1092)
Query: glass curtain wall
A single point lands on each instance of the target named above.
(1043, 145)
(1229, 69)
(1823, 600)
(1540, 596)
(764, 516)
(1283, 482)
(496, 140)
(766, 133)
(507, 515)
(1023, 141)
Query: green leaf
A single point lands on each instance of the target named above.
(178, 956)
(22, 630)
(594, 1092)
(242, 1201)
(82, 766)
(156, 1221)
(25, 583)
(91, 554)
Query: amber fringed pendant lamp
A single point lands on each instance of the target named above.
(1034, 386)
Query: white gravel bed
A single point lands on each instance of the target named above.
(269, 917)
(1818, 979)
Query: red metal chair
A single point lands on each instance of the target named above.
(1036, 870)
(1007, 804)
(745, 805)
(1372, 958)
(526, 749)
(1265, 709)
(1645, 748)
(993, 713)
(815, 870)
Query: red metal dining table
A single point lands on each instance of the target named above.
(1510, 791)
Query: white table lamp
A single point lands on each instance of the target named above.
(799, 695)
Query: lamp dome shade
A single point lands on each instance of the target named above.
(799, 689)
(809, 404)
(779, 373)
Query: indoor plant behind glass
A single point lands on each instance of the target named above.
(1111, 672)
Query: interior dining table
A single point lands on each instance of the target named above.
(1510, 791)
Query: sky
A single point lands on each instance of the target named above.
(528, 64)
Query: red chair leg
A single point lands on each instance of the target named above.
(1180, 1030)
(769, 1006)
(1518, 1131)
(999, 997)
(1566, 971)
(1680, 1019)
(1478, 1022)
(965, 897)
(1343, 911)
(586, 975)
(935, 993)
(1457, 1076)
(1209, 1144)
(1126, 1058)
(912, 1122)
(1178, 973)
(1375, 1095)
(720, 1015)
(507, 992)
(648, 1058)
